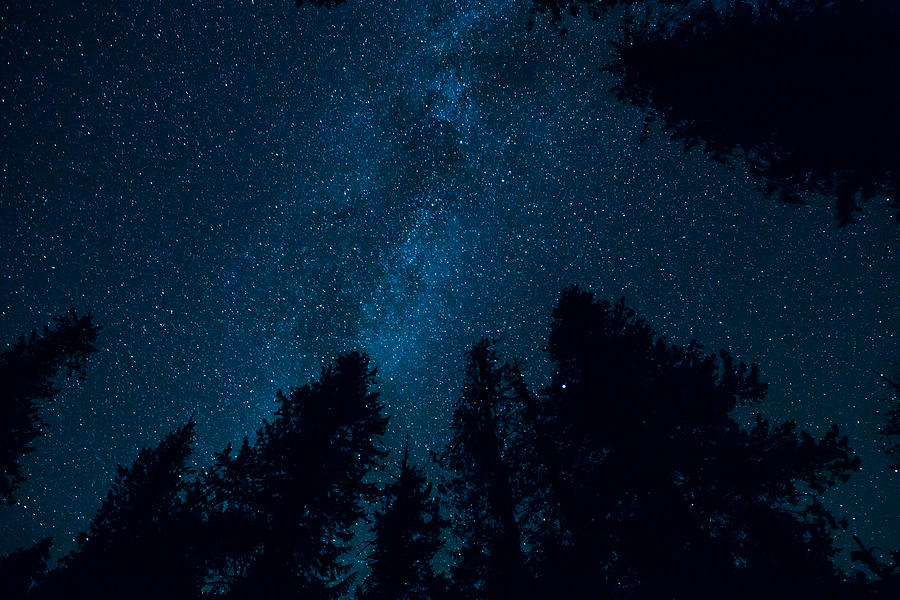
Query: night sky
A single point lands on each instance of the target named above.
(239, 193)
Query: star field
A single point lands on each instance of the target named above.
(239, 193)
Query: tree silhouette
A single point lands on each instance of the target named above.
(628, 476)
(656, 491)
(27, 373)
(283, 507)
(22, 570)
(491, 562)
(804, 92)
(143, 541)
(408, 534)
(891, 428)
(887, 573)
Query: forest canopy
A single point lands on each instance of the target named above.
(626, 477)
(244, 194)
(803, 92)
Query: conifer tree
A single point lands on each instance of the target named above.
(408, 534)
(886, 570)
(143, 541)
(491, 562)
(24, 569)
(284, 506)
(656, 490)
(802, 92)
(891, 428)
(27, 376)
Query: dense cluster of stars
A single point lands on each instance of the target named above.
(240, 193)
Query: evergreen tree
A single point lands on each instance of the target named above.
(891, 428)
(886, 572)
(27, 372)
(22, 570)
(803, 92)
(284, 506)
(142, 542)
(655, 489)
(491, 561)
(408, 534)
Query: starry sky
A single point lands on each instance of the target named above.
(238, 192)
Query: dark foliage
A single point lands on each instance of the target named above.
(491, 561)
(627, 477)
(657, 491)
(28, 371)
(143, 542)
(804, 92)
(891, 428)
(886, 571)
(283, 508)
(22, 570)
(408, 535)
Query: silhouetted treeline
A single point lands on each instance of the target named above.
(627, 477)
(891, 428)
(146, 539)
(21, 570)
(804, 92)
(491, 562)
(409, 532)
(283, 507)
(28, 371)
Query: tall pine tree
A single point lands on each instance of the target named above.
(24, 569)
(143, 542)
(408, 535)
(886, 571)
(655, 489)
(284, 506)
(491, 561)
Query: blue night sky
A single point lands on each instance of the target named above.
(240, 192)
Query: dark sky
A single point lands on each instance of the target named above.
(240, 192)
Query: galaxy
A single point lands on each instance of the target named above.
(240, 192)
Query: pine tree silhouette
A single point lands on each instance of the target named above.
(656, 490)
(891, 428)
(491, 562)
(24, 569)
(143, 541)
(284, 506)
(803, 92)
(408, 534)
(887, 572)
(27, 373)
(627, 477)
